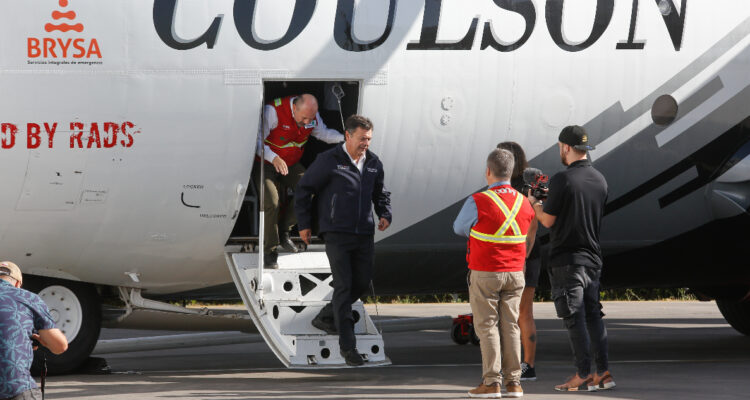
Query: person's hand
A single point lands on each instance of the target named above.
(383, 224)
(36, 337)
(280, 165)
(531, 198)
(306, 235)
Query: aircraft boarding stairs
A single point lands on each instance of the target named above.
(283, 304)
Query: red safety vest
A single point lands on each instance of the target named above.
(287, 139)
(497, 242)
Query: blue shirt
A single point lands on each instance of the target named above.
(21, 313)
(468, 216)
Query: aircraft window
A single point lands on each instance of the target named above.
(664, 110)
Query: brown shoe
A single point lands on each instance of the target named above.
(602, 382)
(575, 384)
(513, 389)
(493, 391)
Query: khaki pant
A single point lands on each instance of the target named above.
(495, 298)
(275, 186)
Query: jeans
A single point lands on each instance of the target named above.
(575, 291)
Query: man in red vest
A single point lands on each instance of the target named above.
(500, 225)
(287, 124)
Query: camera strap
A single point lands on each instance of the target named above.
(44, 371)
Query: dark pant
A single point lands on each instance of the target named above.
(275, 186)
(575, 291)
(351, 259)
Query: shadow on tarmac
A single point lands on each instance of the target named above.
(667, 358)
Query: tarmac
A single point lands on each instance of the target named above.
(658, 350)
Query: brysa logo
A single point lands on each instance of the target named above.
(63, 20)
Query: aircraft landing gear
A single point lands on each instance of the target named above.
(76, 310)
(462, 331)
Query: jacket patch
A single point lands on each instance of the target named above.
(372, 170)
(277, 102)
(343, 167)
(287, 127)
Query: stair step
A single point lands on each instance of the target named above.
(292, 296)
(297, 320)
(319, 352)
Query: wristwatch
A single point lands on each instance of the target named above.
(540, 202)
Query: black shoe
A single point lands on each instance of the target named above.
(325, 324)
(352, 357)
(270, 260)
(527, 372)
(287, 243)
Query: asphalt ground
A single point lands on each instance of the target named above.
(658, 350)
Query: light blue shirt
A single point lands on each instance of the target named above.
(469, 215)
(21, 314)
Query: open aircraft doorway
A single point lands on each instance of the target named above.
(284, 290)
(329, 94)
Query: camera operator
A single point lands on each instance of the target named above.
(573, 212)
(21, 314)
(532, 269)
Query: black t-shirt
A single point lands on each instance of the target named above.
(576, 197)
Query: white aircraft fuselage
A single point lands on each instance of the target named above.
(128, 134)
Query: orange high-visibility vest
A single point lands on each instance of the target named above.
(498, 240)
(287, 139)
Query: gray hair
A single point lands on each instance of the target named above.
(501, 162)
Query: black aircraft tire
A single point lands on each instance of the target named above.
(80, 348)
(736, 313)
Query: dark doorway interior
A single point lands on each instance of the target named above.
(246, 227)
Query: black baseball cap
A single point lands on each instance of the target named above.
(576, 137)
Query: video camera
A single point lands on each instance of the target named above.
(535, 181)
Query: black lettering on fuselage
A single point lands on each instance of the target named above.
(527, 11)
(631, 44)
(554, 11)
(343, 27)
(428, 37)
(675, 22)
(244, 12)
(164, 13)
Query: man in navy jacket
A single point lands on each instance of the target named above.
(345, 181)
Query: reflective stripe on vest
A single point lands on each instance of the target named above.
(286, 146)
(510, 222)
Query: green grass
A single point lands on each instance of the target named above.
(677, 294)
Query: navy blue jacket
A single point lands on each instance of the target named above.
(343, 195)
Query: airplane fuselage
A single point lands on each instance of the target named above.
(128, 130)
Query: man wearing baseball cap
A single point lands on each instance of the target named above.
(573, 212)
(23, 317)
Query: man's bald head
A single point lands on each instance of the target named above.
(305, 109)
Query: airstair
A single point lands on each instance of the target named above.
(282, 303)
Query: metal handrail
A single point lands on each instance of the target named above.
(262, 216)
